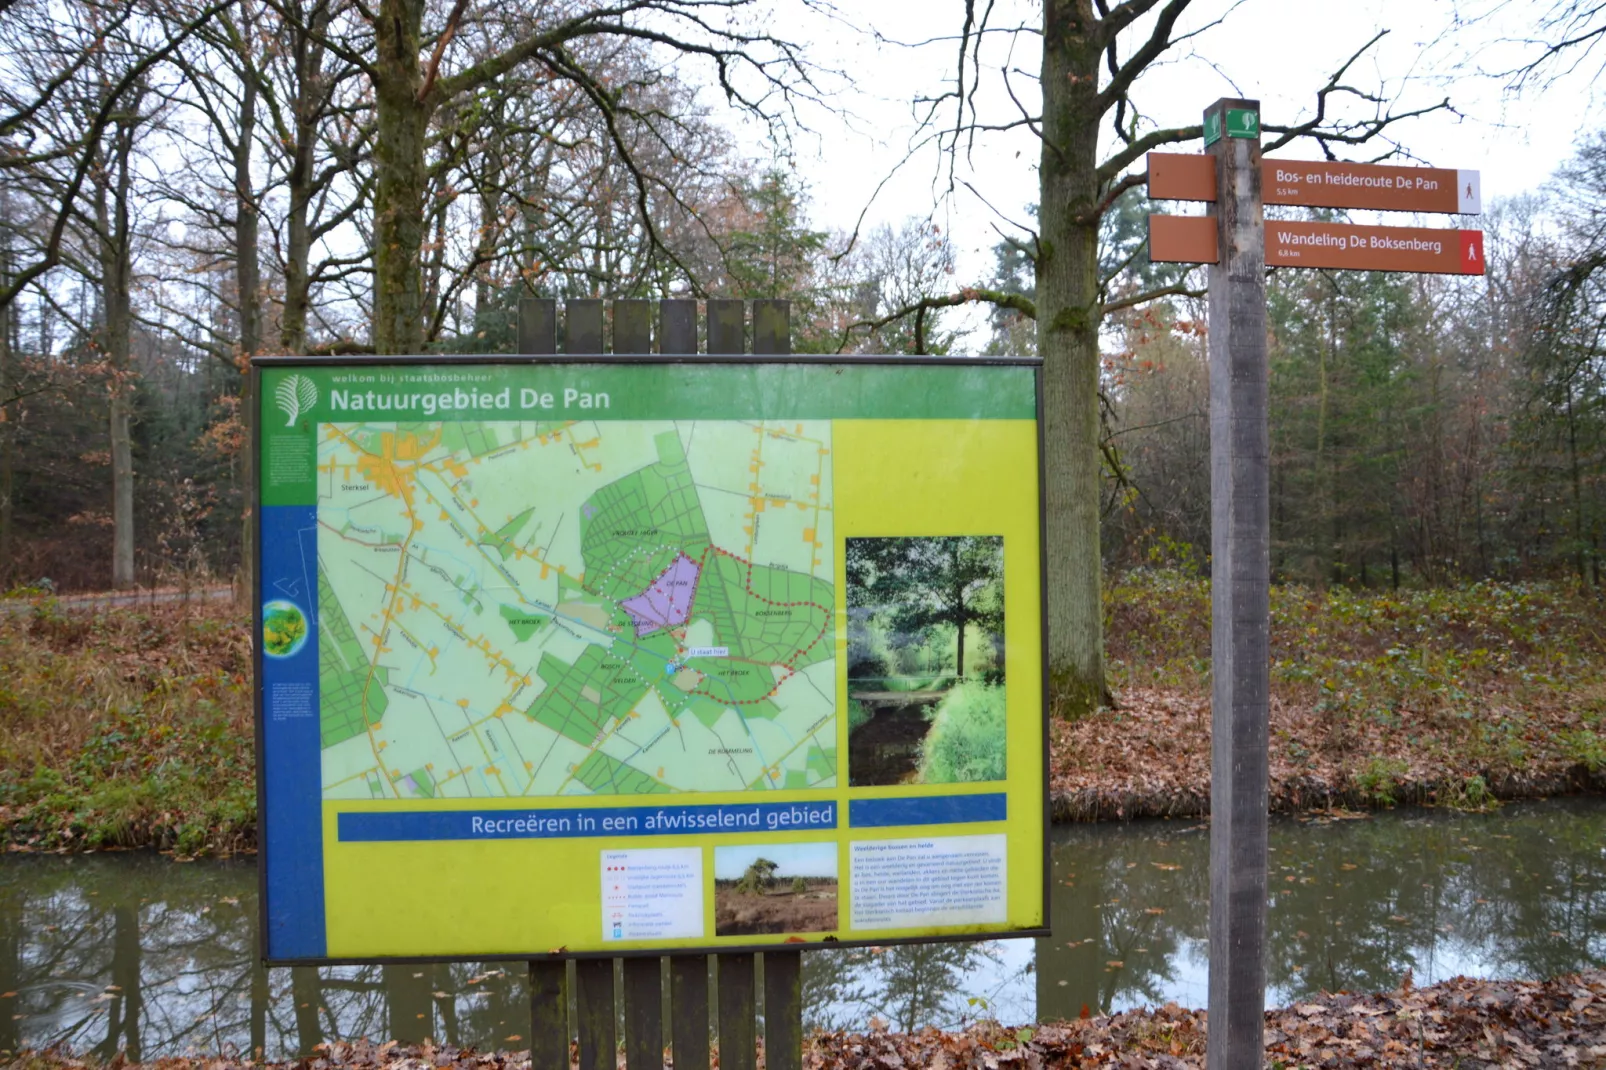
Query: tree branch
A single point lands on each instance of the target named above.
(447, 34)
(971, 294)
(1175, 289)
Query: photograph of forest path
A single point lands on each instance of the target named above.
(775, 888)
(925, 660)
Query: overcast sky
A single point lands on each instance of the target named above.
(1279, 51)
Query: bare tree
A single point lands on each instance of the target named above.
(1093, 55)
(413, 78)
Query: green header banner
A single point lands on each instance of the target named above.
(296, 398)
(637, 391)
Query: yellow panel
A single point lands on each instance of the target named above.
(891, 478)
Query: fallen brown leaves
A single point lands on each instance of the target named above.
(1452, 696)
(1151, 758)
(1466, 1024)
(1460, 1023)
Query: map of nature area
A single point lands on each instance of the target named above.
(578, 607)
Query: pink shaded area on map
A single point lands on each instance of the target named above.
(667, 600)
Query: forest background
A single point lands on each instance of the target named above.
(187, 185)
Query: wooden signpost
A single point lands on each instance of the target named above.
(1175, 176)
(1428, 250)
(1239, 245)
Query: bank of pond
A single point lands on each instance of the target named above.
(137, 953)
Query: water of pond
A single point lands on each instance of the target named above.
(137, 952)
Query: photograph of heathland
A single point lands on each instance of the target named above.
(775, 888)
(925, 660)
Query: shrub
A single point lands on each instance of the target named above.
(1379, 779)
(758, 878)
(1584, 747)
(799, 885)
(967, 738)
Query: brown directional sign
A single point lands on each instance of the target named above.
(1325, 184)
(1182, 239)
(1429, 250)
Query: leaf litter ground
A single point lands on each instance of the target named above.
(1464, 1024)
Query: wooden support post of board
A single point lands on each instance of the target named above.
(582, 328)
(599, 1045)
(1240, 541)
(632, 326)
(772, 328)
(677, 326)
(688, 1011)
(727, 327)
(549, 1015)
(538, 326)
(738, 1013)
(644, 1016)
(783, 1010)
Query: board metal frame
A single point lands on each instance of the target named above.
(564, 954)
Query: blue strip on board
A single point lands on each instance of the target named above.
(380, 826)
(292, 826)
(927, 810)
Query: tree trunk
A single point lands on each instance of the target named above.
(8, 415)
(1068, 316)
(1577, 488)
(1323, 538)
(247, 278)
(490, 196)
(401, 127)
(960, 654)
(115, 247)
(301, 181)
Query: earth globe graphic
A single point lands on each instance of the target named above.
(284, 628)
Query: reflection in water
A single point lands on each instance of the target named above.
(153, 957)
(1354, 904)
(138, 953)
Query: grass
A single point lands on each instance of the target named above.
(1456, 696)
(132, 726)
(967, 738)
(1376, 655)
(126, 727)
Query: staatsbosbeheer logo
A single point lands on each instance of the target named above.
(296, 395)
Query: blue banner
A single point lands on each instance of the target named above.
(292, 771)
(580, 822)
(927, 810)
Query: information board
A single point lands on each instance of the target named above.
(602, 656)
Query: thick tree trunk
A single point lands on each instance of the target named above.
(1068, 316)
(122, 484)
(298, 250)
(401, 126)
(8, 419)
(301, 181)
(247, 277)
(112, 217)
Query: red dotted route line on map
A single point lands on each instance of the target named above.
(748, 585)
